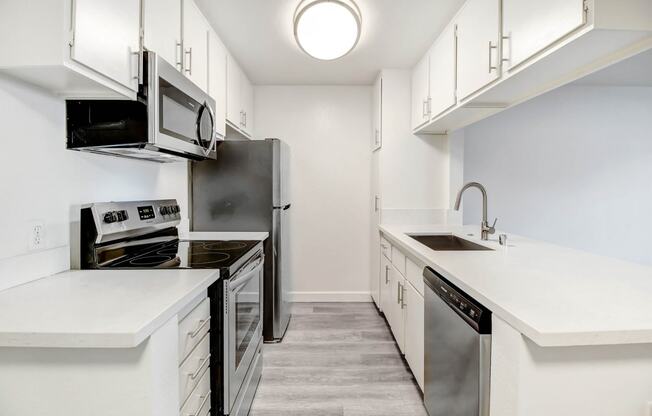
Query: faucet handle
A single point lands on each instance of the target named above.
(492, 229)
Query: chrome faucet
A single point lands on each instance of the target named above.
(486, 229)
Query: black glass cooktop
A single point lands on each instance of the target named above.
(186, 254)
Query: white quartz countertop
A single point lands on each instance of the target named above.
(97, 308)
(553, 295)
(102, 308)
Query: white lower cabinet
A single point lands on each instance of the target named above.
(402, 304)
(414, 331)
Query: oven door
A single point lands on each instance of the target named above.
(243, 324)
(181, 115)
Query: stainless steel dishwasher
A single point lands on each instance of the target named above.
(457, 350)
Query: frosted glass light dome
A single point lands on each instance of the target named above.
(327, 29)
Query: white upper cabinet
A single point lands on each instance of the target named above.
(195, 44)
(105, 40)
(478, 42)
(162, 29)
(73, 48)
(443, 72)
(531, 26)
(376, 115)
(420, 92)
(239, 98)
(217, 80)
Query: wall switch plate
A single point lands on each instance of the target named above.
(36, 235)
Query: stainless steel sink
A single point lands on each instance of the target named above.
(448, 242)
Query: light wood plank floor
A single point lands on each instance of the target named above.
(337, 359)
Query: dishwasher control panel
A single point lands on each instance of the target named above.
(472, 311)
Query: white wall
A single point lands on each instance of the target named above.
(42, 181)
(328, 129)
(572, 167)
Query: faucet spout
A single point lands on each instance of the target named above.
(486, 229)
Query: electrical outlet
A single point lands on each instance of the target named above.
(36, 235)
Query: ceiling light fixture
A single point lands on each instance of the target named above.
(327, 29)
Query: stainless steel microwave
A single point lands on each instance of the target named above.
(171, 119)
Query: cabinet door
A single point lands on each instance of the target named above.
(217, 80)
(414, 332)
(385, 288)
(106, 38)
(377, 111)
(396, 321)
(195, 44)
(233, 93)
(247, 102)
(162, 29)
(532, 26)
(478, 38)
(375, 233)
(420, 90)
(443, 58)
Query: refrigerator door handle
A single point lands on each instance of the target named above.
(283, 207)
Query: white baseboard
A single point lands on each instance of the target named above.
(25, 268)
(329, 297)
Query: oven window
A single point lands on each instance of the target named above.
(247, 317)
(178, 113)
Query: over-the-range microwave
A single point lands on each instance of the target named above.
(171, 119)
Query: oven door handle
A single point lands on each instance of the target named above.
(248, 272)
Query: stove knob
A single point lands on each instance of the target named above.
(175, 209)
(122, 215)
(110, 217)
(163, 210)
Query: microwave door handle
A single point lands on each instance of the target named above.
(211, 145)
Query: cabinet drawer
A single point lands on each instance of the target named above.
(199, 402)
(192, 368)
(414, 274)
(398, 260)
(193, 327)
(385, 248)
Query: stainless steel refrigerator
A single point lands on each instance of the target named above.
(247, 189)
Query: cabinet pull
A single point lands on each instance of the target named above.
(386, 275)
(189, 66)
(398, 292)
(377, 137)
(202, 324)
(199, 369)
(429, 106)
(376, 198)
(502, 52)
(245, 119)
(403, 304)
(179, 58)
(139, 67)
(424, 110)
(491, 48)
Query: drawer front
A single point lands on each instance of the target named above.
(398, 260)
(385, 248)
(193, 367)
(199, 401)
(414, 274)
(192, 328)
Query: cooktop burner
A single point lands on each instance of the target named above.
(186, 254)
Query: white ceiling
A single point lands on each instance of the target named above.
(633, 72)
(259, 34)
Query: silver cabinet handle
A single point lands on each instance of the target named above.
(202, 324)
(139, 67)
(491, 48)
(403, 304)
(189, 66)
(199, 369)
(179, 59)
(398, 292)
(503, 39)
(376, 199)
(429, 106)
(424, 111)
(386, 275)
(377, 137)
(245, 119)
(203, 403)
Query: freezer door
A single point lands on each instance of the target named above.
(281, 173)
